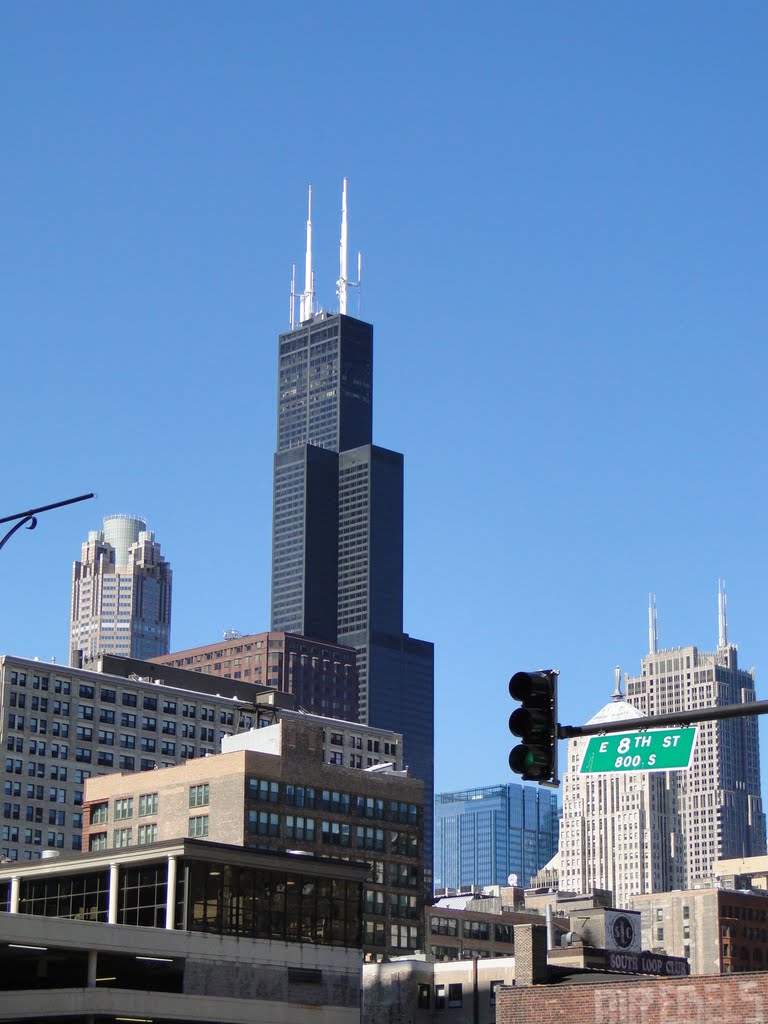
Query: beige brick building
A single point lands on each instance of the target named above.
(280, 795)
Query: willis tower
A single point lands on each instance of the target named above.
(337, 527)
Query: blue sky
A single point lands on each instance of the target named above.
(562, 212)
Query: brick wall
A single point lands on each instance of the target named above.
(716, 999)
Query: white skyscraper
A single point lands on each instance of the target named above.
(121, 594)
(615, 828)
(717, 801)
(657, 831)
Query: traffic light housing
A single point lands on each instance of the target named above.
(535, 722)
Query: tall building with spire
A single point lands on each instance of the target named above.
(646, 832)
(337, 528)
(121, 594)
(616, 831)
(718, 800)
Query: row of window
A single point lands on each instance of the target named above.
(123, 807)
(332, 833)
(146, 833)
(268, 790)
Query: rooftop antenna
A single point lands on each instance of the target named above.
(307, 300)
(291, 316)
(722, 615)
(653, 625)
(344, 283)
(617, 694)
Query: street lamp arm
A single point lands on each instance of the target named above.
(29, 518)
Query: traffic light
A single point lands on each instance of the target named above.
(536, 725)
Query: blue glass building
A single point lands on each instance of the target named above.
(482, 836)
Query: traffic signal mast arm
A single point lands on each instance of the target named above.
(712, 714)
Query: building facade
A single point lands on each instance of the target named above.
(60, 726)
(277, 793)
(617, 829)
(720, 931)
(717, 802)
(183, 930)
(337, 534)
(482, 836)
(321, 676)
(121, 593)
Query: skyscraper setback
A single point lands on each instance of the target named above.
(337, 534)
(121, 593)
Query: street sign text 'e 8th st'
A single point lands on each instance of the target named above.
(655, 750)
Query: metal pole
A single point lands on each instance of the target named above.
(682, 718)
(29, 517)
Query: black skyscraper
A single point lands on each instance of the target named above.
(337, 533)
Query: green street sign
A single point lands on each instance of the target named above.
(655, 750)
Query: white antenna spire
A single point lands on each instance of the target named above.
(359, 281)
(617, 694)
(342, 282)
(653, 625)
(291, 314)
(307, 303)
(722, 615)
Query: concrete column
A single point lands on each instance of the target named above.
(113, 883)
(92, 958)
(170, 894)
(14, 894)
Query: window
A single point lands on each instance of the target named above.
(123, 808)
(423, 1002)
(199, 796)
(335, 833)
(98, 841)
(262, 823)
(147, 834)
(494, 988)
(263, 789)
(147, 804)
(439, 996)
(122, 837)
(300, 828)
(454, 995)
(198, 826)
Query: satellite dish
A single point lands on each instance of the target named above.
(512, 879)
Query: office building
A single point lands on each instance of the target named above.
(337, 541)
(272, 788)
(718, 802)
(617, 829)
(483, 836)
(321, 676)
(121, 593)
(719, 930)
(59, 726)
(183, 930)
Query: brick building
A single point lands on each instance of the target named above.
(321, 676)
(720, 931)
(280, 795)
(730, 999)
(60, 726)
